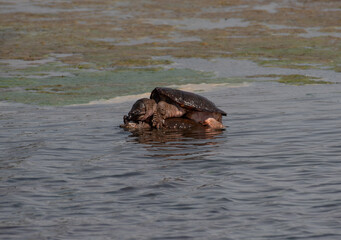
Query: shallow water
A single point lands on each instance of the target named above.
(198, 23)
(72, 173)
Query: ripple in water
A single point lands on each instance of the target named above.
(72, 173)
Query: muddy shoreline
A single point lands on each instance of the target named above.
(51, 51)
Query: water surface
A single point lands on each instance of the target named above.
(72, 173)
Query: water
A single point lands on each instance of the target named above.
(72, 173)
(198, 23)
(227, 67)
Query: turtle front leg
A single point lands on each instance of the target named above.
(165, 110)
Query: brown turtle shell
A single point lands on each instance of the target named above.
(187, 100)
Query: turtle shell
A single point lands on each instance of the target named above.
(187, 100)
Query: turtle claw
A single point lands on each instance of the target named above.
(158, 121)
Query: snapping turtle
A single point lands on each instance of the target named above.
(167, 103)
(177, 103)
(142, 111)
(141, 114)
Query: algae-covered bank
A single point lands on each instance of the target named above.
(66, 52)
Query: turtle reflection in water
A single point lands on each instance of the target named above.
(169, 108)
(188, 140)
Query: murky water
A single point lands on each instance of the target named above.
(197, 23)
(72, 173)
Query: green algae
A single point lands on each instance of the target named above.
(271, 40)
(291, 79)
(84, 87)
(141, 62)
(300, 80)
(289, 64)
(32, 36)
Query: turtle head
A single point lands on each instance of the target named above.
(141, 110)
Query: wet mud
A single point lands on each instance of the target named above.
(67, 39)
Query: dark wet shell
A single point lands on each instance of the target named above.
(185, 99)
